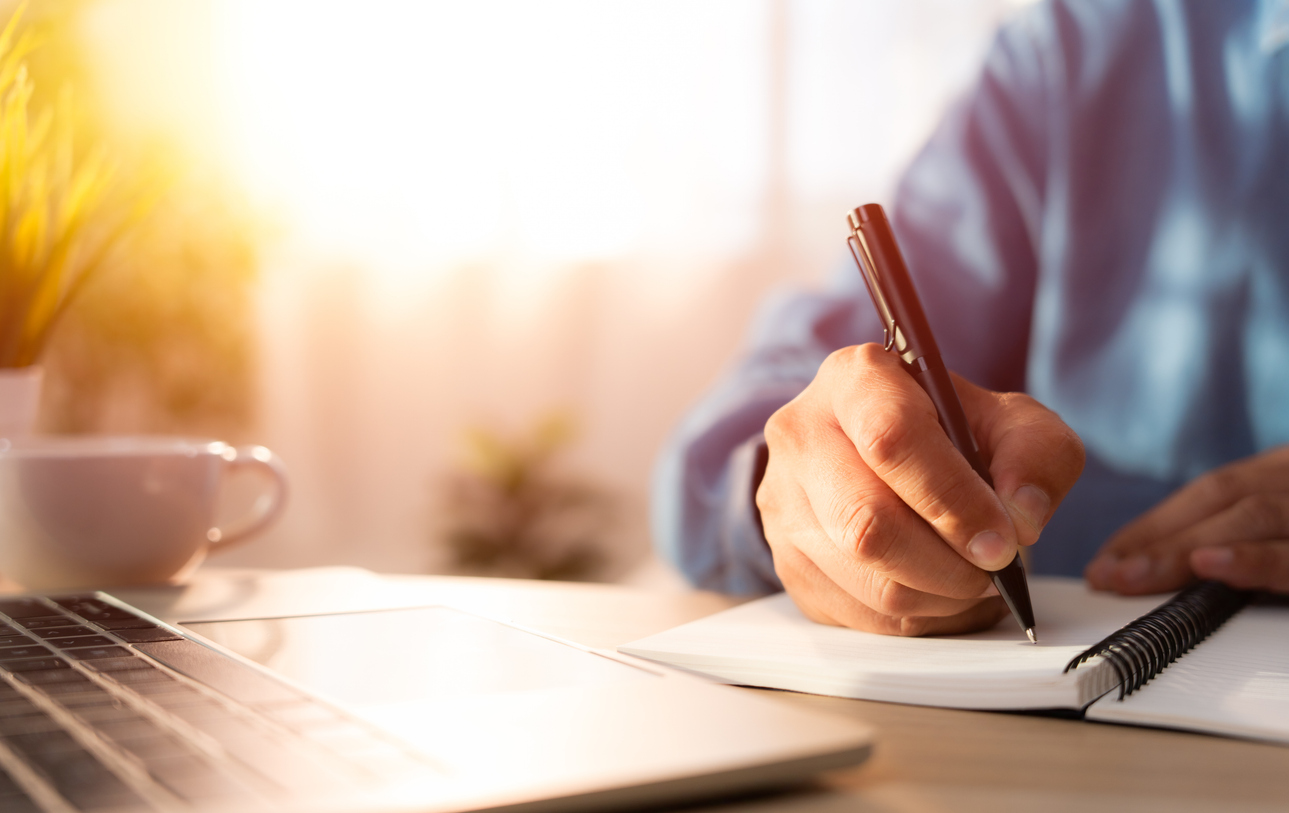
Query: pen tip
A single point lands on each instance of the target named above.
(1033, 639)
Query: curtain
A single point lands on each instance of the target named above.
(482, 212)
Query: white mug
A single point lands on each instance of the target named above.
(99, 511)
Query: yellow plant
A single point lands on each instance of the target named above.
(60, 217)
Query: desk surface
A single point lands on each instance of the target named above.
(926, 759)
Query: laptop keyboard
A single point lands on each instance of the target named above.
(103, 710)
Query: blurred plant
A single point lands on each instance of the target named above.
(510, 513)
(162, 337)
(60, 217)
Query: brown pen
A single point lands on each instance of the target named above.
(908, 334)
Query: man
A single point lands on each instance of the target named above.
(1103, 223)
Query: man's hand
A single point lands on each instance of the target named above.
(876, 521)
(1232, 524)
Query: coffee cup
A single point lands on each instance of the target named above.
(99, 511)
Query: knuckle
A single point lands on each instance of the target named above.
(865, 534)
(1070, 447)
(870, 354)
(1020, 402)
(895, 599)
(887, 435)
(1263, 515)
(839, 361)
(1220, 486)
(951, 505)
(790, 567)
(782, 426)
(765, 497)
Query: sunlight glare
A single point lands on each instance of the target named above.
(406, 136)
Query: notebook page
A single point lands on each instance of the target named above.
(769, 643)
(1235, 682)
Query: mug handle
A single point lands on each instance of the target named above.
(268, 507)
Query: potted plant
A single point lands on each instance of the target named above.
(61, 215)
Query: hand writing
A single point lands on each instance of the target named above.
(876, 522)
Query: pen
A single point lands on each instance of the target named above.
(908, 333)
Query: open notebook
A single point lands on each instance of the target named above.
(1235, 682)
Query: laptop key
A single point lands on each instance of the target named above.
(239, 682)
(94, 715)
(179, 697)
(144, 680)
(25, 608)
(75, 598)
(18, 803)
(97, 697)
(127, 664)
(76, 683)
(14, 653)
(7, 631)
(62, 673)
(96, 652)
(157, 747)
(73, 631)
(50, 623)
(125, 624)
(43, 746)
(81, 642)
(137, 729)
(200, 713)
(9, 788)
(16, 706)
(32, 723)
(95, 610)
(35, 665)
(89, 785)
(141, 636)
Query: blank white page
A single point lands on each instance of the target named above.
(769, 643)
(1235, 682)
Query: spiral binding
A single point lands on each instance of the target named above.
(1142, 649)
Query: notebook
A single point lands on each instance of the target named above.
(1200, 661)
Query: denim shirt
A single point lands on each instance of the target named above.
(1103, 222)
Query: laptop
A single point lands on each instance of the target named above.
(105, 708)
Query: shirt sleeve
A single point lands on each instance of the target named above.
(704, 510)
(969, 212)
(966, 214)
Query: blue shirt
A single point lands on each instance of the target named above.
(1103, 222)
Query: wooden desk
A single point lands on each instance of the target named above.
(926, 759)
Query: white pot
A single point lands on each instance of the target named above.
(19, 399)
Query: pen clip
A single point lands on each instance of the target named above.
(868, 270)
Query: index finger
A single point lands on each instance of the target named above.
(1034, 457)
(894, 427)
(1200, 499)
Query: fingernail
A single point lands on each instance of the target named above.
(1212, 560)
(990, 591)
(990, 551)
(1135, 569)
(1032, 504)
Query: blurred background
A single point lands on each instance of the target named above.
(463, 265)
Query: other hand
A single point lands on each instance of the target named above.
(876, 522)
(1231, 524)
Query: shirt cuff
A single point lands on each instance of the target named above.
(751, 566)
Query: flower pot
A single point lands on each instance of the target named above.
(19, 399)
